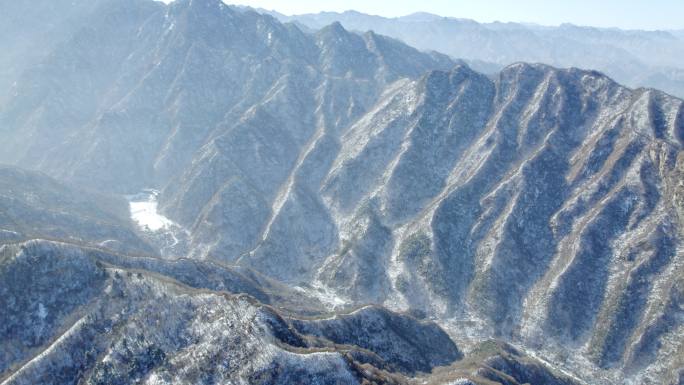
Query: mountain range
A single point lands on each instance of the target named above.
(352, 209)
(633, 57)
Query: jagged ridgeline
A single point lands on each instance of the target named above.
(315, 173)
(636, 58)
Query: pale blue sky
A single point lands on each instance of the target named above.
(639, 14)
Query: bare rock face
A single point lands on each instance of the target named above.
(320, 172)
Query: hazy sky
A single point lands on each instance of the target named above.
(641, 14)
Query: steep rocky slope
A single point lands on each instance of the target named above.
(552, 216)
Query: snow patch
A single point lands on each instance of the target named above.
(144, 212)
(171, 239)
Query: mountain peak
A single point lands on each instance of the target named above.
(336, 35)
(337, 28)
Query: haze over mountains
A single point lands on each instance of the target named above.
(632, 57)
(343, 207)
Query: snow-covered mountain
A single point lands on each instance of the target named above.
(350, 208)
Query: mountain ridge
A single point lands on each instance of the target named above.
(634, 57)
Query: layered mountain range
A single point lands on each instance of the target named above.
(633, 57)
(353, 209)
